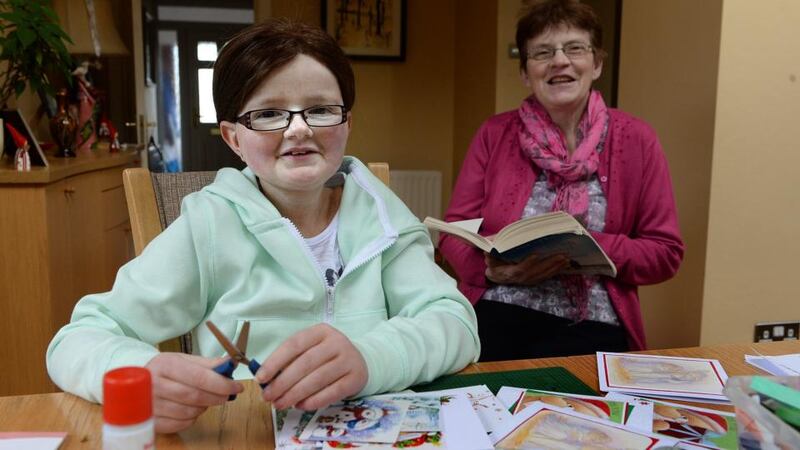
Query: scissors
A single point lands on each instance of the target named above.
(236, 353)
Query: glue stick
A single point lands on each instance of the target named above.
(128, 410)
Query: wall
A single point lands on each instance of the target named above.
(668, 77)
(474, 72)
(509, 90)
(751, 266)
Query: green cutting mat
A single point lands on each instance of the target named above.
(556, 379)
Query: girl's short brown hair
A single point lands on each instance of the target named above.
(253, 53)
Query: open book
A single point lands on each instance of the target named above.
(545, 234)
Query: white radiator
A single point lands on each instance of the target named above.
(421, 190)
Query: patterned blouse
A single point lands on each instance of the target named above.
(549, 296)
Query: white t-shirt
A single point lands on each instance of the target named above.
(325, 249)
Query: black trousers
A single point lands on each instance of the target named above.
(515, 332)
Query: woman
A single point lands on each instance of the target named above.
(304, 243)
(564, 150)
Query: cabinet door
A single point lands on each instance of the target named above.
(99, 229)
(117, 237)
(86, 227)
(62, 292)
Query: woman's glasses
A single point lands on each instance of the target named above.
(573, 50)
(278, 119)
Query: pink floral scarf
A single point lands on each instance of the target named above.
(568, 174)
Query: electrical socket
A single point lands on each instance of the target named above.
(776, 331)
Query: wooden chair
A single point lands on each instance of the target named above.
(154, 202)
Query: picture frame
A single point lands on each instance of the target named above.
(367, 30)
(17, 119)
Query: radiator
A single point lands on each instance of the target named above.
(421, 190)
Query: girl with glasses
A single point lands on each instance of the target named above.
(333, 272)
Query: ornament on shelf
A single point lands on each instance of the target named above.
(87, 114)
(22, 159)
(106, 131)
(63, 126)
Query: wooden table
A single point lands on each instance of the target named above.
(247, 424)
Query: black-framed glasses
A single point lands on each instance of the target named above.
(278, 119)
(573, 50)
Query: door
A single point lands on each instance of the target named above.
(146, 123)
(204, 149)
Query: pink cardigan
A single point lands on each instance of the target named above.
(641, 234)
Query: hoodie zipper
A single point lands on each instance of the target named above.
(328, 305)
(327, 315)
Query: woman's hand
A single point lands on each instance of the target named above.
(530, 271)
(312, 369)
(183, 387)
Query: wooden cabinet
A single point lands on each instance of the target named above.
(64, 233)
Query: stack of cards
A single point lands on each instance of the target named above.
(421, 421)
(692, 379)
(631, 412)
(614, 421)
(543, 426)
(491, 412)
(694, 427)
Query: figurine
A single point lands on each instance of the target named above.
(22, 159)
(107, 131)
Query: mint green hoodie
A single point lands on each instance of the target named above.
(231, 257)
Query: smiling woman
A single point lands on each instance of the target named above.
(563, 150)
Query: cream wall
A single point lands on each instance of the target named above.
(475, 72)
(751, 265)
(668, 77)
(509, 91)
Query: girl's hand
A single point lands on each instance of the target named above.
(312, 369)
(183, 387)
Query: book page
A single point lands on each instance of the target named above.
(459, 231)
(471, 225)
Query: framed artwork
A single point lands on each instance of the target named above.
(367, 29)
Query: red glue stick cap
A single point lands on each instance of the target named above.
(127, 396)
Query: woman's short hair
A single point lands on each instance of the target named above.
(255, 52)
(538, 17)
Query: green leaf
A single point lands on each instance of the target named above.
(19, 88)
(51, 14)
(26, 36)
(12, 17)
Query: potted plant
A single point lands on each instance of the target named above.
(33, 46)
